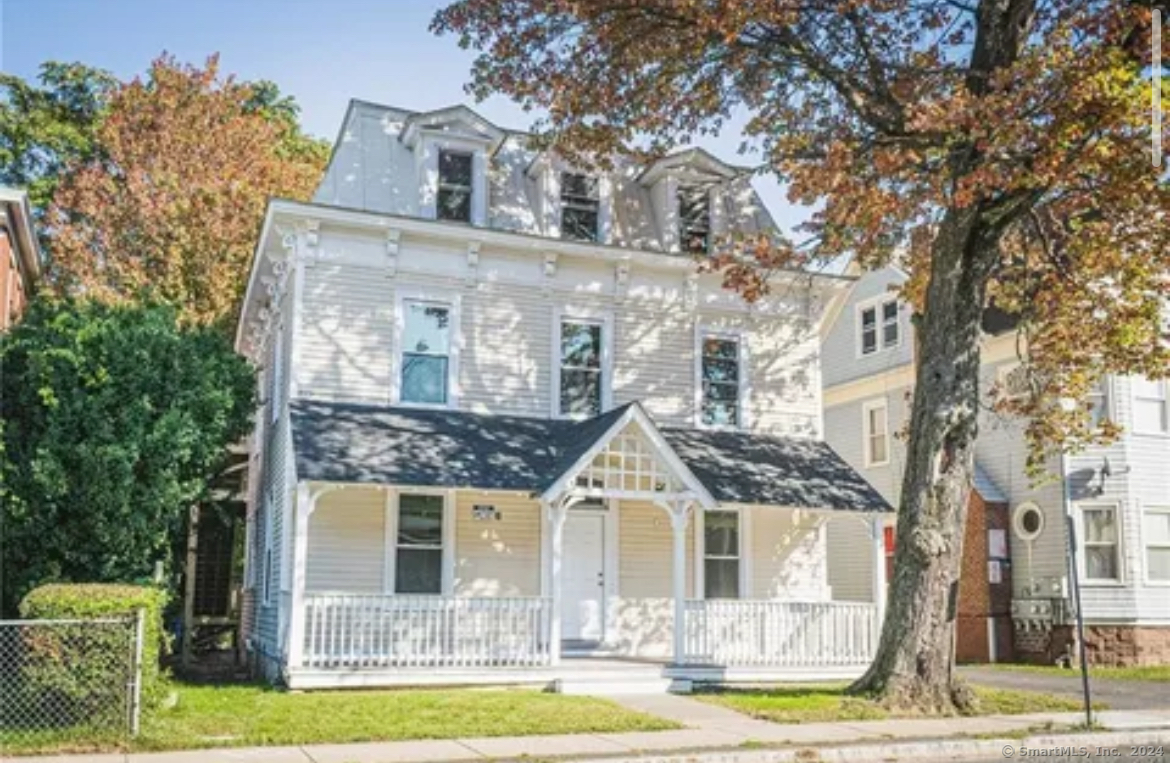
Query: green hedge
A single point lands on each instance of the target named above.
(68, 665)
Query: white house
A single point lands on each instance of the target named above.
(1118, 496)
(506, 423)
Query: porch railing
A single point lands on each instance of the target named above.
(370, 631)
(780, 633)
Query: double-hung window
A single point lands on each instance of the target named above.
(721, 555)
(1098, 401)
(694, 219)
(581, 368)
(1156, 531)
(1099, 539)
(1149, 406)
(580, 207)
(418, 562)
(426, 352)
(455, 186)
(721, 374)
(879, 327)
(876, 428)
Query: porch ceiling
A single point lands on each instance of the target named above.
(337, 442)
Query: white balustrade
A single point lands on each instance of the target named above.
(779, 633)
(374, 631)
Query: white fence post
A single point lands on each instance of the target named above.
(136, 691)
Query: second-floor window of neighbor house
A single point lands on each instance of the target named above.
(1098, 402)
(580, 368)
(877, 437)
(418, 566)
(720, 370)
(1149, 406)
(721, 555)
(455, 175)
(694, 219)
(879, 327)
(426, 348)
(580, 204)
(1099, 539)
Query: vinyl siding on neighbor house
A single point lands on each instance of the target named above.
(841, 359)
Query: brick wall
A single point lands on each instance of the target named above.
(12, 288)
(1127, 645)
(979, 599)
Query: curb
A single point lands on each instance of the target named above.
(1050, 747)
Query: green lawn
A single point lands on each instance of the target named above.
(209, 716)
(814, 704)
(1147, 673)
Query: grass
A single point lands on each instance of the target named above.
(234, 716)
(1146, 673)
(817, 704)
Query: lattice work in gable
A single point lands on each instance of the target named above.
(630, 463)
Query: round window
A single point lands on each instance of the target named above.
(1029, 521)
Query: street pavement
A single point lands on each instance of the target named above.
(1117, 695)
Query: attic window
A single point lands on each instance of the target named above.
(694, 219)
(455, 176)
(580, 204)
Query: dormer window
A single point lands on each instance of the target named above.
(455, 186)
(878, 326)
(694, 219)
(580, 207)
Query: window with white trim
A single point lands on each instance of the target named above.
(694, 219)
(581, 368)
(1100, 543)
(1150, 413)
(720, 379)
(721, 557)
(580, 206)
(1156, 533)
(876, 431)
(418, 558)
(456, 176)
(878, 327)
(426, 352)
(1098, 400)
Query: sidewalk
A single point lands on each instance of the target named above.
(711, 729)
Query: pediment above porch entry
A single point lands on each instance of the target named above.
(621, 454)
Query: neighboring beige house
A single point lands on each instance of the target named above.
(20, 255)
(509, 432)
(1118, 496)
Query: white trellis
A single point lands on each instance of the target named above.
(628, 464)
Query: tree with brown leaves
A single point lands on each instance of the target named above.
(1000, 149)
(171, 206)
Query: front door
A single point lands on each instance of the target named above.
(583, 577)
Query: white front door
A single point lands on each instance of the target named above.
(583, 577)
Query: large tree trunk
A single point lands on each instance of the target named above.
(914, 663)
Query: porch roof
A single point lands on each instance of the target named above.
(342, 442)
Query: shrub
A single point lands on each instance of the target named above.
(76, 668)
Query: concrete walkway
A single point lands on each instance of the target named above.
(1117, 695)
(709, 729)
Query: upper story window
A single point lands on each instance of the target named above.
(1149, 406)
(878, 326)
(1098, 400)
(876, 429)
(426, 352)
(456, 175)
(581, 371)
(721, 555)
(721, 377)
(694, 219)
(580, 207)
(418, 563)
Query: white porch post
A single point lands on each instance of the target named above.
(556, 512)
(877, 533)
(304, 508)
(679, 511)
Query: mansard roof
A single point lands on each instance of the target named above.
(351, 443)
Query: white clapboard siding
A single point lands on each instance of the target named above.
(497, 557)
(645, 552)
(787, 555)
(850, 557)
(347, 542)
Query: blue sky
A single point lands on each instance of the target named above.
(323, 52)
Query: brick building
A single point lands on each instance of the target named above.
(20, 255)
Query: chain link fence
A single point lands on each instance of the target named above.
(69, 681)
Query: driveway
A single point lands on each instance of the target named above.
(1118, 695)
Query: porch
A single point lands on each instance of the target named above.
(617, 550)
